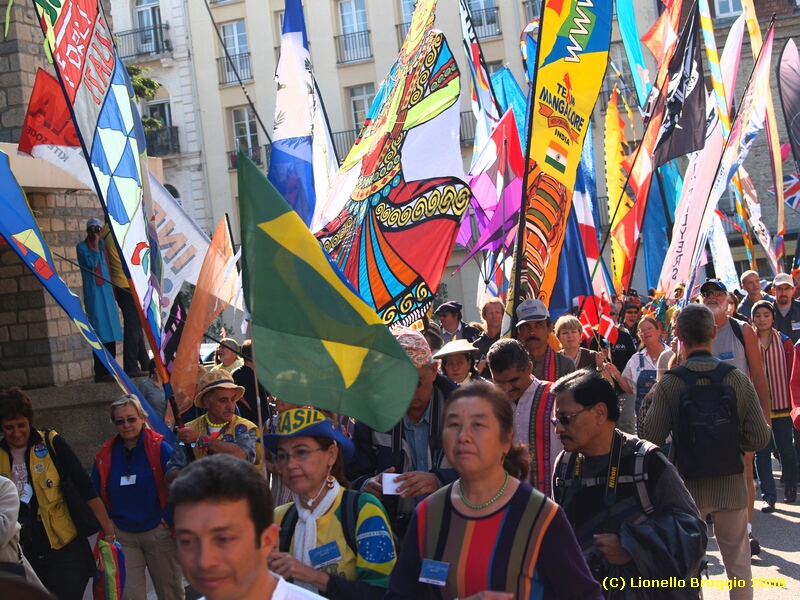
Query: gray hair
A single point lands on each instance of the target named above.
(127, 400)
(695, 324)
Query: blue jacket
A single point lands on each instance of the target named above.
(98, 295)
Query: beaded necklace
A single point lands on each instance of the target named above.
(485, 504)
(220, 425)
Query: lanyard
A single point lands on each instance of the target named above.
(612, 477)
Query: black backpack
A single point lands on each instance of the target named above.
(707, 439)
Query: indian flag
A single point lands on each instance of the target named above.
(556, 157)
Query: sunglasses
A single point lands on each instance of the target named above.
(712, 293)
(567, 419)
(120, 422)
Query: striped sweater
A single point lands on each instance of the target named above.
(526, 548)
(718, 492)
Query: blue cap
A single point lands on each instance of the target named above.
(710, 283)
(309, 422)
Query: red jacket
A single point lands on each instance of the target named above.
(152, 447)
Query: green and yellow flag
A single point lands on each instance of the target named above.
(316, 342)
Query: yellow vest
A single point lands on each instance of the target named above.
(114, 264)
(201, 426)
(53, 511)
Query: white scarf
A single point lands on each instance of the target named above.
(305, 533)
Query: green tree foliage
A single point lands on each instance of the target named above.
(144, 88)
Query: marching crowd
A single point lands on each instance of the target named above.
(541, 465)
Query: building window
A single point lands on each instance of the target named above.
(353, 45)
(148, 24)
(361, 97)
(485, 18)
(728, 8)
(234, 36)
(245, 133)
(407, 8)
(160, 111)
(617, 61)
(494, 67)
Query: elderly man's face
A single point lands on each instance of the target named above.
(226, 356)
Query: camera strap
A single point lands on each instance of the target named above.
(612, 477)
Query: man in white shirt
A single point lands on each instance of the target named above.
(225, 531)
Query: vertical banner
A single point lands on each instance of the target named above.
(789, 92)
(572, 55)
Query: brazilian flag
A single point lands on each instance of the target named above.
(315, 341)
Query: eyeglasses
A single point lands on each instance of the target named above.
(282, 458)
(131, 420)
(567, 419)
(712, 293)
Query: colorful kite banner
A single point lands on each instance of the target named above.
(315, 341)
(574, 38)
(402, 183)
(789, 91)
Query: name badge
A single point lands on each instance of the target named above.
(127, 480)
(726, 356)
(325, 555)
(434, 572)
(796, 326)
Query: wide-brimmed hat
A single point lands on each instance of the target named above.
(216, 379)
(456, 347)
(308, 422)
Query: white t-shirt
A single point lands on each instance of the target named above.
(288, 591)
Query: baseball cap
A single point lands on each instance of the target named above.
(532, 309)
(448, 307)
(307, 422)
(94, 222)
(713, 283)
(782, 279)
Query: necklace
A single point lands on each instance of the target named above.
(210, 424)
(485, 504)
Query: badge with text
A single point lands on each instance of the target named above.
(726, 356)
(40, 450)
(127, 480)
(325, 555)
(434, 572)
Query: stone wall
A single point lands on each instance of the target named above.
(39, 344)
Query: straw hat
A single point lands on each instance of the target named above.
(215, 379)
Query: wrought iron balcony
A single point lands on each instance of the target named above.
(144, 41)
(162, 141)
(467, 128)
(353, 47)
(533, 9)
(486, 22)
(402, 32)
(254, 153)
(239, 63)
(343, 141)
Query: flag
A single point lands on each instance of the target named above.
(757, 225)
(629, 32)
(527, 47)
(48, 132)
(216, 289)
(662, 37)
(509, 95)
(100, 96)
(484, 105)
(654, 234)
(315, 341)
(791, 190)
(789, 93)
(402, 184)
(619, 203)
(773, 140)
(684, 121)
(573, 277)
(19, 228)
(303, 160)
(574, 38)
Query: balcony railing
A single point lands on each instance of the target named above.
(162, 141)
(486, 22)
(343, 141)
(144, 41)
(402, 32)
(353, 47)
(239, 63)
(533, 9)
(467, 128)
(254, 153)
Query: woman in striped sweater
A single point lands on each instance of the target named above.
(488, 533)
(778, 355)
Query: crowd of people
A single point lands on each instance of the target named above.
(536, 465)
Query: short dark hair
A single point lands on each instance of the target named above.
(225, 478)
(247, 350)
(507, 353)
(588, 388)
(517, 461)
(14, 402)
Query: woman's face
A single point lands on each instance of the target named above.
(648, 332)
(570, 339)
(472, 439)
(304, 464)
(17, 431)
(731, 306)
(457, 367)
(762, 319)
(128, 423)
